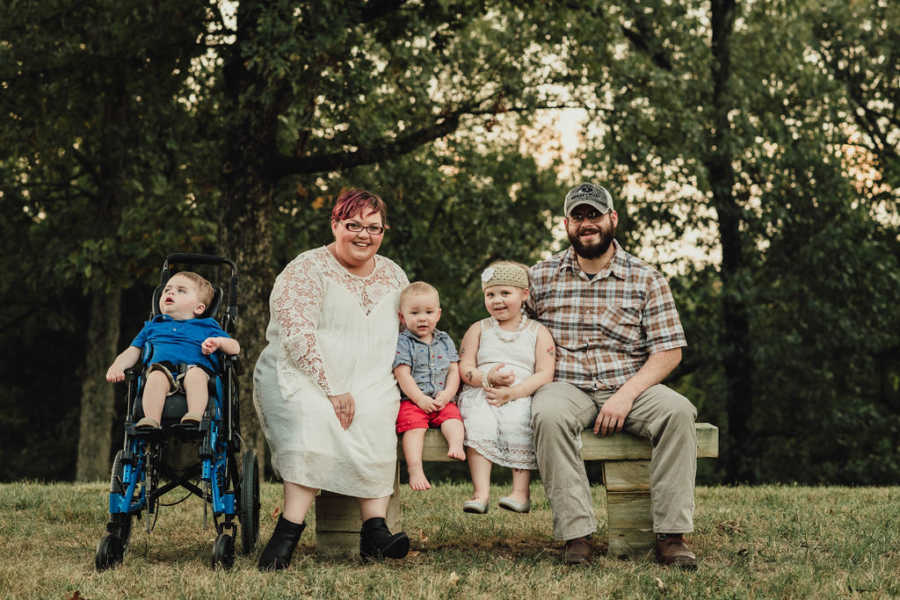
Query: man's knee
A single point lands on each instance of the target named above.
(677, 413)
(548, 405)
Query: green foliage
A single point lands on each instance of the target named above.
(816, 230)
(134, 129)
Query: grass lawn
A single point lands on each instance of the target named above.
(752, 542)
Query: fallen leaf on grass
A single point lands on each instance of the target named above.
(454, 578)
(660, 584)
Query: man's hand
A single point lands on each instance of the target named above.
(612, 416)
(344, 408)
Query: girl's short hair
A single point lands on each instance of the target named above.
(354, 201)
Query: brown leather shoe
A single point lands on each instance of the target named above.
(672, 550)
(578, 551)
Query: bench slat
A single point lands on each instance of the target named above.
(621, 446)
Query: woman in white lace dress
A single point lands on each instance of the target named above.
(323, 387)
(503, 360)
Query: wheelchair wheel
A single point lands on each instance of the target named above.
(248, 502)
(223, 551)
(109, 552)
(121, 523)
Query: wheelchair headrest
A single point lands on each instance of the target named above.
(211, 311)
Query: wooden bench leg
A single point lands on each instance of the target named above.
(338, 522)
(630, 522)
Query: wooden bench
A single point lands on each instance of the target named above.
(626, 476)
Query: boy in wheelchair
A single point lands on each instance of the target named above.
(183, 350)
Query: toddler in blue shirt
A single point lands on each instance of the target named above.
(183, 347)
(426, 367)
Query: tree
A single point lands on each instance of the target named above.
(95, 159)
(314, 89)
(722, 106)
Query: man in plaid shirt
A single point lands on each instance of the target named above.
(617, 335)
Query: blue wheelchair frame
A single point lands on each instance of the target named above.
(138, 467)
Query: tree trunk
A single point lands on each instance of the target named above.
(248, 198)
(738, 362)
(98, 396)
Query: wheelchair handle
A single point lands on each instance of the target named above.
(199, 259)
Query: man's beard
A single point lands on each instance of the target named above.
(594, 250)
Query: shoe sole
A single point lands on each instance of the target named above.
(397, 549)
(475, 509)
(514, 508)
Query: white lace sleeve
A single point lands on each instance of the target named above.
(296, 302)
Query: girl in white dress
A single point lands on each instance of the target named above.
(323, 386)
(502, 360)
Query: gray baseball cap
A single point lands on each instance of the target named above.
(590, 194)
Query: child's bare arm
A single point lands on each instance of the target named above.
(127, 358)
(450, 387)
(544, 366)
(410, 389)
(468, 355)
(225, 344)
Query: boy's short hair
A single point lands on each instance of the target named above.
(416, 288)
(205, 291)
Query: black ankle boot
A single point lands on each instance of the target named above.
(376, 541)
(277, 553)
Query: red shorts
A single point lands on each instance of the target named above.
(413, 417)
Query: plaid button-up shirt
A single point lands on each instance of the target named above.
(607, 326)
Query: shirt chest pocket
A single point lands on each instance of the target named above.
(618, 326)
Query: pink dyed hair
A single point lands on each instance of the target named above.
(354, 201)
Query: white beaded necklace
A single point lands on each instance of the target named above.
(512, 335)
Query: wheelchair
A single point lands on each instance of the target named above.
(143, 470)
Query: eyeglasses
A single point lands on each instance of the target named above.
(354, 227)
(587, 215)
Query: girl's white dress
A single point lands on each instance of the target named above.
(502, 434)
(331, 332)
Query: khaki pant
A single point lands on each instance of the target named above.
(561, 411)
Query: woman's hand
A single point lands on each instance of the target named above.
(344, 408)
(500, 396)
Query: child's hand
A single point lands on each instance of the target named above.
(209, 345)
(499, 396)
(442, 399)
(498, 378)
(428, 404)
(115, 373)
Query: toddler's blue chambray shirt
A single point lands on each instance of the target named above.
(428, 363)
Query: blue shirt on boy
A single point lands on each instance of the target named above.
(428, 363)
(179, 341)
